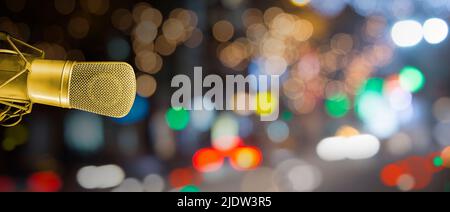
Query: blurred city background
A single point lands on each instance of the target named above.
(364, 104)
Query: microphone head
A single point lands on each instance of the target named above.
(105, 88)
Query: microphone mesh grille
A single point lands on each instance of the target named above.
(104, 88)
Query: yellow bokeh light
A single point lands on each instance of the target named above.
(266, 104)
(300, 3)
(347, 131)
(245, 159)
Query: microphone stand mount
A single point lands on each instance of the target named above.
(12, 111)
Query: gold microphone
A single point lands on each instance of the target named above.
(104, 88)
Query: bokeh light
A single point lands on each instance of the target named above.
(374, 110)
(223, 31)
(259, 180)
(246, 158)
(202, 120)
(181, 177)
(7, 184)
(226, 125)
(173, 30)
(300, 3)
(208, 160)
(146, 86)
(347, 131)
(15, 137)
(84, 132)
(139, 112)
(154, 183)
(122, 19)
(98, 7)
(445, 155)
(412, 79)
(129, 185)
(407, 33)
(400, 144)
(190, 188)
(65, 7)
(400, 99)
(329, 7)
(338, 105)
(119, 49)
(412, 173)
(44, 182)
(108, 176)
(438, 161)
(226, 143)
(435, 30)
(441, 133)
(15, 6)
(278, 131)
(79, 27)
(390, 174)
(295, 175)
(357, 147)
(441, 109)
(177, 118)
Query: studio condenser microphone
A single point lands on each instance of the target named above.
(105, 88)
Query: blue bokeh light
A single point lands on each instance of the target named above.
(139, 111)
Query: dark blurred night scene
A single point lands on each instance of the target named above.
(364, 100)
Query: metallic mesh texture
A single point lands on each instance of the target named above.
(103, 88)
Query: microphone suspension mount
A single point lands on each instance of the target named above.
(12, 111)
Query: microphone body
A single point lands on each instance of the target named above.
(105, 88)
